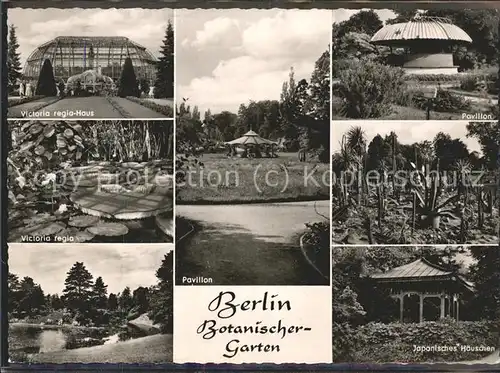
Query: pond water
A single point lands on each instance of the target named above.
(26, 340)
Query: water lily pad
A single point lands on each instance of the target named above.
(68, 133)
(39, 219)
(76, 235)
(123, 206)
(83, 221)
(109, 229)
(48, 155)
(37, 232)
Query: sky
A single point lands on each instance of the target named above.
(408, 131)
(119, 265)
(340, 15)
(37, 26)
(231, 56)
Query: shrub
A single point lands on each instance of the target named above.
(469, 82)
(445, 101)
(368, 89)
(46, 85)
(162, 109)
(394, 342)
(127, 85)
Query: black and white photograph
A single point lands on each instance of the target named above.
(252, 147)
(416, 304)
(96, 303)
(90, 63)
(90, 181)
(415, 182)
(413, 64)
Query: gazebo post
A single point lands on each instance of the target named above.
(442, 315)
(421, 308)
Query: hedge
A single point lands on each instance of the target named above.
(162, 109)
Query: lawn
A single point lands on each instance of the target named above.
(151, 349)
(243, 180)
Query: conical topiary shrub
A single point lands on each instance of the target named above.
(128, 82)
(46, 85)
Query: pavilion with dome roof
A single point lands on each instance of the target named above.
(252, 144)
(428, 43)
(425, 280)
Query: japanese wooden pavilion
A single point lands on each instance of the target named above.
(426, 280)
(428, 43)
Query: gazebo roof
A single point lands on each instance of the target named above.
(423, 28)
(419, 270)
(250, 137)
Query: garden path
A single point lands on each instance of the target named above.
(255, 244)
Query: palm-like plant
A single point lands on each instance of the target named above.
(428, 193)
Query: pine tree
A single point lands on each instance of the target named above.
(77, 293)
(125, 301)
(13, 60)
(128, 85)
(99, 293)
(46, 85)
(164, 84)
(161, 302)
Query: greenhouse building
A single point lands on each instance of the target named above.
(74, 55)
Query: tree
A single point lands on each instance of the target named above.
(14, 295)
(46, 85)
(140, 299)
(488, 135)
(127, 85)
(144, 83)
(161, 302)
(13, 60)
(125, 301)
(486, 277)
(112, 302)
(164, 83)
(99, 293)
(32, 299)
(77, 293)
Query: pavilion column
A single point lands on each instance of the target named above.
(421, 310)
(442, 315)
(458, 307)
(401, 307)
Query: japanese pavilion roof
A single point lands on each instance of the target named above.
(424, 28)
(420, 270)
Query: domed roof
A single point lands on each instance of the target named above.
(422, 28)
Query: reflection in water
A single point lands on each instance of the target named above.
(51, 340)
